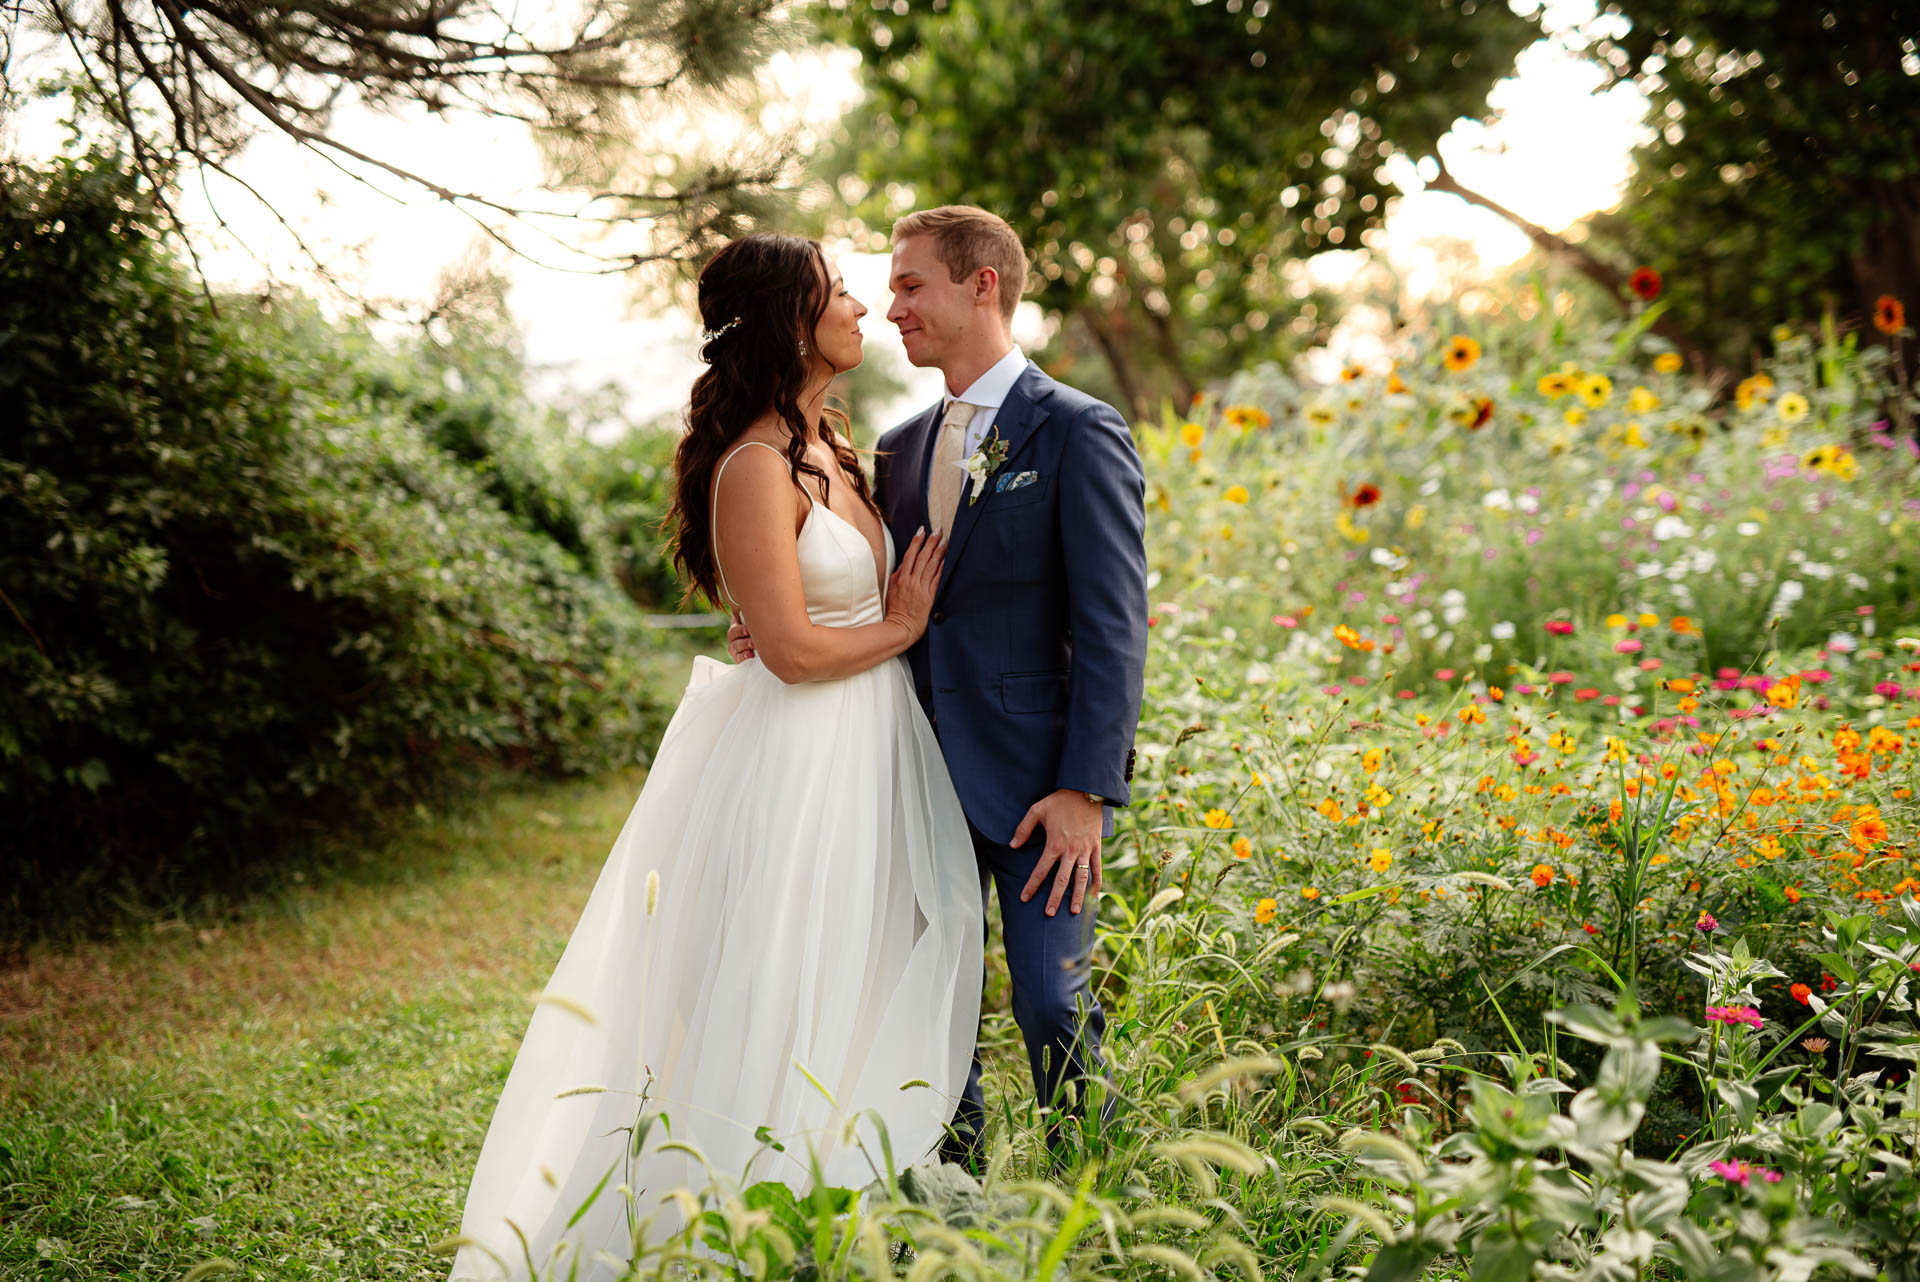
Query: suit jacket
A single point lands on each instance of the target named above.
(1034, 658)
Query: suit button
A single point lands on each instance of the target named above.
(938, 616)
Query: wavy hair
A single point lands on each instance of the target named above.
(769, 293)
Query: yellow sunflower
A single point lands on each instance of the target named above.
(1595, 390)
(1462, 353)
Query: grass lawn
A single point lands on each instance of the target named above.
(302, 1091)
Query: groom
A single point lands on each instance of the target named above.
(1034, 657)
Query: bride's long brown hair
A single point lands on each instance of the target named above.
(769, 293)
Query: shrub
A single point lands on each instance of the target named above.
(261, 571)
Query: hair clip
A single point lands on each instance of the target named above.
(708, 335)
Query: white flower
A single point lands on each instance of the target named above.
(976, 466)
(1747, 528)
(1498, 500)
(1503, 630)
(1671, 527)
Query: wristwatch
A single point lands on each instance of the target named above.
(1095, 798)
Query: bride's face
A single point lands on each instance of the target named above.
(837, 337)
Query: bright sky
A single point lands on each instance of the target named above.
(1557, 152)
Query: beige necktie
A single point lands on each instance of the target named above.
(943, 486)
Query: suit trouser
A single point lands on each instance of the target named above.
(1049, 960)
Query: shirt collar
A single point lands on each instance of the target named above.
(989, 391)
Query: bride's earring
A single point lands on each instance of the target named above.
(803, 347)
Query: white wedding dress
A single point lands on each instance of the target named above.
(790, 913)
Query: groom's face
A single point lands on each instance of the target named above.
(932, 310)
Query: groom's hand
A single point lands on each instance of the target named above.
(1073, 847)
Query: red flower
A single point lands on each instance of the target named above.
(1365, 495)
(1645, 282)
(1889, 317)
(1801, 993)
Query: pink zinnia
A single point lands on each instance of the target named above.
(1628, 645)
(1887, 689)
(1559, 627)
(1443, 674)
(1560, 678)
(1585, 693)
(1742, 1173)
(1734, 1015)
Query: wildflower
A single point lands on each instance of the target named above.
(1236, 494)
(1642, 401)
(1380, 859)
(1616, 750)
(1784, 693)
(1310, 892)
(1472, 715)
(1396, 386)
(1266, 910)
(1462, 353)
(1330, 811)
(1246, 416)
(1595, 390)
(1802, 993)
(1792, 407)
(1734, 1015)
(1559, 628)
(1242, 848)
(1680, 685)
(1617, 620)
(1542, 875)
(1377, 797)
(1792, 893)
(1575, 416)
(1683, 625)
(1743, 1173)
(1814, 1045)
(1868, 829)
(1353, 373)
(1668, 363)
(1589, 927)
(1889, 315)
(1555, 385)
(1627, 645)
(1321, 413)
(1365, 494)
(1191, 434)
(1705, 924)
(1217, 819)
(1645, 283)
(1371, 759)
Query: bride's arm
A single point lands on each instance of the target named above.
(755, 515)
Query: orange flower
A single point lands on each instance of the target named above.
(1889, 315)
(1311, 892)
(1266, 910)
(1462, 353)
(1801, 993)
(1542, 874)
(1868, 829)
(1792, 893)
(1482, 413)
(1242, 848)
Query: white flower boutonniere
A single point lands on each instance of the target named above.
(982, 463)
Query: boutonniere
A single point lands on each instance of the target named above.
(980, 464)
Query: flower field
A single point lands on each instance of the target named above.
(1515, 683)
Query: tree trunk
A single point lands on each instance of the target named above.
(1888, 262)
(1114, 348)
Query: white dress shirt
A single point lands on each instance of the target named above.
(988, 393)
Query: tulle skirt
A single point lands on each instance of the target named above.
(786, 933)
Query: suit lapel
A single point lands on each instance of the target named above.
(1019, 415)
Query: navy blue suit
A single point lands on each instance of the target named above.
(1031, 671)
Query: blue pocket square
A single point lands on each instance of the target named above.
(1014, 480)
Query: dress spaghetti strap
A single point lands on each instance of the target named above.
(714, 505)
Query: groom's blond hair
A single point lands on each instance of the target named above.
(967, 238)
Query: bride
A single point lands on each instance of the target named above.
(787, 931)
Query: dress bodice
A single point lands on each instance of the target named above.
(838, 572)
(838, 575)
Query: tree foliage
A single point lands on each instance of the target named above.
(190, 83)
(1163, 160)
(1783, 174)
(257, 570)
